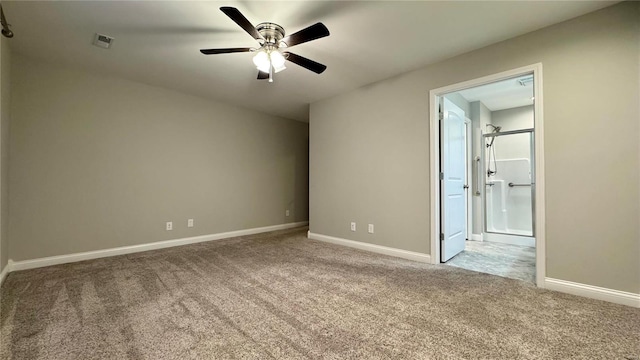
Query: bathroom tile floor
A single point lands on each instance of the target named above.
(511, 261)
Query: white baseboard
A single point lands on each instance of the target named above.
(593, 292)
(63, 259)
(405, 254)
(476, 237)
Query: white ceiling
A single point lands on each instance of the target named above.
(500, 95)
(157, 42)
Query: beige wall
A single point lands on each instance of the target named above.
(99, 162)
(5, 102)
(369, 148)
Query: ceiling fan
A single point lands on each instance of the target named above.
(269, 58)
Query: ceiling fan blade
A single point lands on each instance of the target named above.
(239, 19)
(262, 75)
(224, 51)
(315, 31)
(305, 63)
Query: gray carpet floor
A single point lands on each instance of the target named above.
(512, 261)
(281, 296)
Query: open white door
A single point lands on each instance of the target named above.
(453, 212)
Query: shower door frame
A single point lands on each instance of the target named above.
(434, 160)
(532, 155)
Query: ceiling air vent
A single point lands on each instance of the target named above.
(102, 41)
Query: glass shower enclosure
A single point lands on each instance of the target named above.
(509, 183)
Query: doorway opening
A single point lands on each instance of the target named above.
(488, 185)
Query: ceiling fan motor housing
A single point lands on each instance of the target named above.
(271, 32)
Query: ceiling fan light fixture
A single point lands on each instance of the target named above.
(277, 61)
(261, 61)
(277, 69)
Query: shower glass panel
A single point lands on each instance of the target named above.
(509, 185)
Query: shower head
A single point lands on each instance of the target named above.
(495, 128)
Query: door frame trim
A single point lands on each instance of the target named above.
(468, 143)
(434, 160)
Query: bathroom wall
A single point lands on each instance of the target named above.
(510, 147)
(480, 115)
(513, 119)
(460, 102)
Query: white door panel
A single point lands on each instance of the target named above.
(453, 207)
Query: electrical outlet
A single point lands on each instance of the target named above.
(169, 225)
(286, 213)
(353, 226)
(190, 223)
(370, 228)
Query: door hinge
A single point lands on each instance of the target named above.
(441, 176)
(441, 115)
(441, 236)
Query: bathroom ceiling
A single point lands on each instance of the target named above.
(505, 94)
(158, 42)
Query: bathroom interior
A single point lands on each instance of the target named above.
(500, 169)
